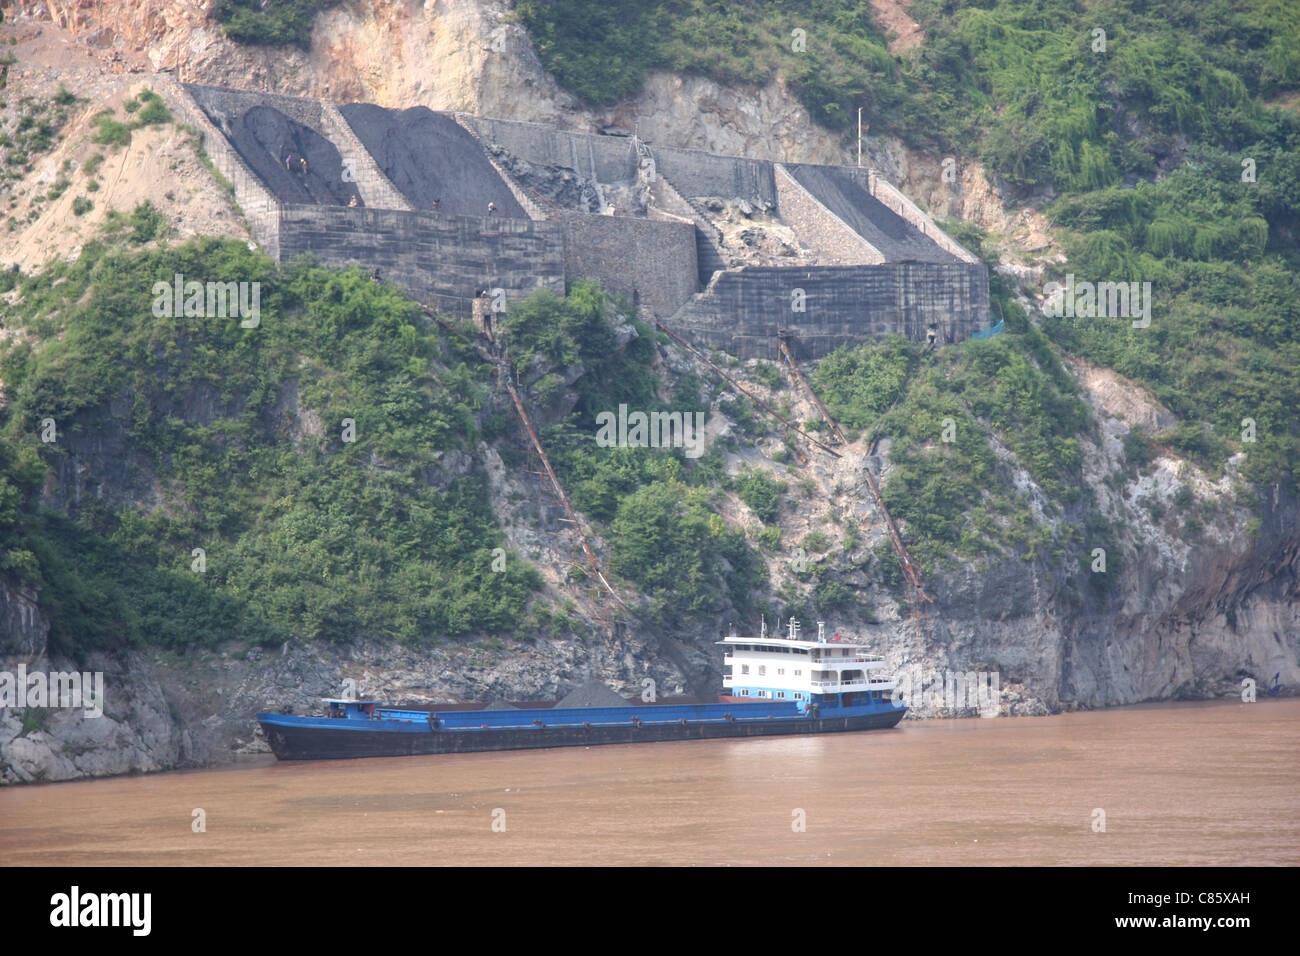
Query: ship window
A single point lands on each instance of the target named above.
(780, 670)
(798, 673)
(762, 670)
(744, 668)
(780, 693)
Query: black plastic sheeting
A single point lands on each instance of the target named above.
(296, 163)
(894, 236)
(428, 156)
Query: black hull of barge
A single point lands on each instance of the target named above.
(316, 743)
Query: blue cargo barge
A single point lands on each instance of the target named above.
(776, 686)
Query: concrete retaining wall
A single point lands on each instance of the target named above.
(694, 173)
(442, 260)
(843, 305)
(652, 262)
(606, 159)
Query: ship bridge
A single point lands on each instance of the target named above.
(352, 708)
(828, 672)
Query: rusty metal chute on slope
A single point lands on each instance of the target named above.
(911, 570)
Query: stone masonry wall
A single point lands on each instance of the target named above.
(255, 201)
(372, 185)
(652, 262)
(845, 192)
(221, 102)
(820, 229)
(442, 260)
(445, 260)
(606, 159)
(744, 309)
(693, 173)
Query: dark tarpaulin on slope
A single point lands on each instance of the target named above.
(429, 156)
(264, 137)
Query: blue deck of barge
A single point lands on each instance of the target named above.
(397, 720)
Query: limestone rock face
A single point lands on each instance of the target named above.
(447, 55)
(1192, 616)
(22, 627)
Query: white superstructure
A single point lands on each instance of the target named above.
(832, 673)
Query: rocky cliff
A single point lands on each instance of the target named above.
(1194, 614)
(1198, 607)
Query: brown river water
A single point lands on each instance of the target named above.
(1180, 784)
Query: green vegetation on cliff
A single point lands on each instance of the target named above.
(203, 434)
(657, 508)
(269, 22)
(944, 412)
(1223, 347)
(1188, 92)
(324, 460)
(1024, 86)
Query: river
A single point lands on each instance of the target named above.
(1182, 784)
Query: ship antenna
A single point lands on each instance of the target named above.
(763, 631)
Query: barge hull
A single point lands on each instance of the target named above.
(288, 742)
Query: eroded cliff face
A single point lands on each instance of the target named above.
(447, 55)
(468, 55)
(1195, 611)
